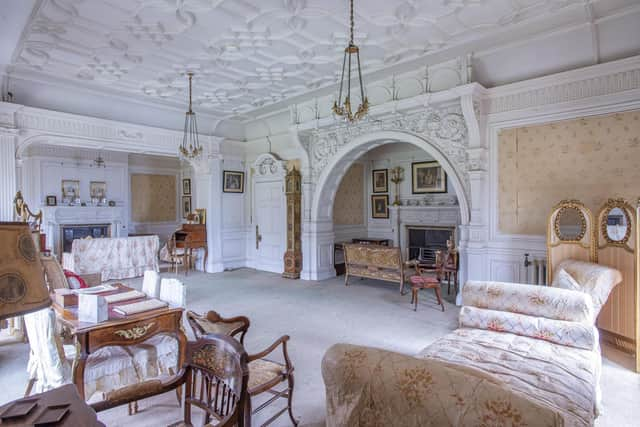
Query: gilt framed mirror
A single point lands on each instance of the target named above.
(570, 234)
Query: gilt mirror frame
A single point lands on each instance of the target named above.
(603, 239)
(585, 240)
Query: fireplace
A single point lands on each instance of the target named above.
(428, 240)
(70, 232)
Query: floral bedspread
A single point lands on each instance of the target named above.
(559, 377)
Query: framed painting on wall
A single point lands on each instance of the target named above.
(380, 206)
(233, 182)
(70, 189)
(186, 206)
(51, 201)
(428, 177)
(380, 181)
(186, 186)
(98, 189)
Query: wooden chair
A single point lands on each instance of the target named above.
(54, 274)
(213, 323)
(423, 281)
(450, 268)
(216, 381)
(174, 257)
(264, 374)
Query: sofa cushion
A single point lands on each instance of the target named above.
(539, 301)
(573, 334)
(564, 280)
(593, 279)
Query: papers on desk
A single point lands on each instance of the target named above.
(140, 307)
(95, 289)
(124, 296)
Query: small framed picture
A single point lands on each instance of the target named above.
(70, 189)
(428, 177)
(380, 181)
(233, 182)
(52, 201)
(186, 186)
(186, 206)
(380, 206)
(98, 189)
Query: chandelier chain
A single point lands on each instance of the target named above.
(352, 24)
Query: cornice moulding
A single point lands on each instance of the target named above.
(597, 80)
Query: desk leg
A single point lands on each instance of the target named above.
(77, 369)
(204, 260)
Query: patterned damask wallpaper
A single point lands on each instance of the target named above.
(153, 198)
(589, 159)
(348, 206)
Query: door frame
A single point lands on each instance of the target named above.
(267, 168)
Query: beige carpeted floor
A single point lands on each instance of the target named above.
(317, 315)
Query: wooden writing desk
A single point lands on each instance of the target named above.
(189, 237)
(119, 330)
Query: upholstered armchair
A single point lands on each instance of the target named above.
(108, 369)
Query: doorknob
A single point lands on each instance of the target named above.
(258, 237)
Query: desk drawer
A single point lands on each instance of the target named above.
(136, 331)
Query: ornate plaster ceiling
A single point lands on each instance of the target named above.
(246, 54)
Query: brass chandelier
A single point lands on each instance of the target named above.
(341, 108)
(190, 147)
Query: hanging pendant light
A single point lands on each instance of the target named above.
(190, 148)
(343, 108)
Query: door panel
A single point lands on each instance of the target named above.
(270, 220)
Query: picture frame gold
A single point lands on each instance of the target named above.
(186, 206)
(428, 177)
(233, 181)
(70, 189)
(202, 216)
(380, 206)
(98, 190)
(380, 180)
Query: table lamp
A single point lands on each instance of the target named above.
(22, 285)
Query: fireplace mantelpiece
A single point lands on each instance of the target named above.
(426, 216)
(57, 216)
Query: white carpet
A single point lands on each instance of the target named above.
(316, 315)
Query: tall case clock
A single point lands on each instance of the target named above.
(293, 255)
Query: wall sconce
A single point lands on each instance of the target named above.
(397, 176)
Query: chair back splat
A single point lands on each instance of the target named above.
(217, 377)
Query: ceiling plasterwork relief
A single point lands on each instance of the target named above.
(246, 53)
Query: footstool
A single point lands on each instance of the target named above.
(424, 282)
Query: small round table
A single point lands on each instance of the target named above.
(424, 282)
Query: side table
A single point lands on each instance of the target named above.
(78, 412)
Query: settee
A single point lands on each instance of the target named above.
(373, 262)
(113, 258)
(522, 355)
